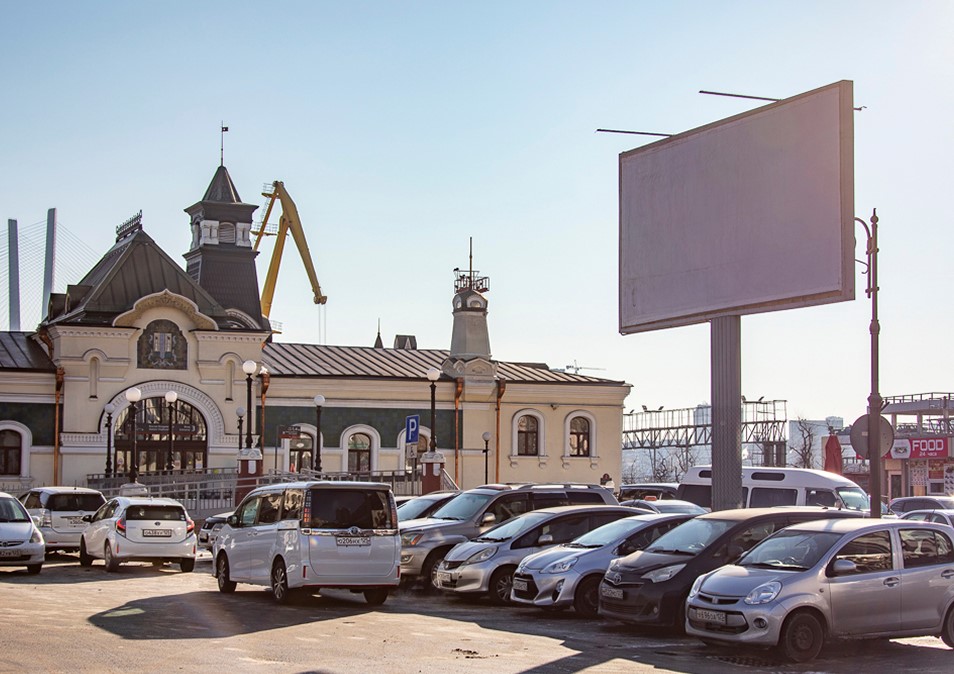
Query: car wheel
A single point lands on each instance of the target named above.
(429, 568)
(226, 585)
(947, 630)
(34, 569)
(586, 601)
(186, 565)
(111, 562)
(85, 558)
(280, 590)
(501, 582)
(802, 638)
(376, 597)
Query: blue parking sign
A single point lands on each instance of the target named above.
(412, 429)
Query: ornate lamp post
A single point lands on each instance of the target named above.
(319, 401)
(171, 397)
(133, 396)
(486, 436)
(240, 413)
(109, 408)
(249, 367)
(433, 374)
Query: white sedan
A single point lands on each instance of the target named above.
(139, 529)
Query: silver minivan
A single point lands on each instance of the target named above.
(312, 534)
(830, 578)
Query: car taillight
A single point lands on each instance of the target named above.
(121, 525)
(190, 526)
(47, 518)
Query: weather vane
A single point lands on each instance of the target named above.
(222, 143)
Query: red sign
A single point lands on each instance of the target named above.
(928, 448)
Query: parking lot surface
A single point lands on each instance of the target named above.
(156, 619)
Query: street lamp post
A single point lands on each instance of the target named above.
(171, 397)
(433, 374)
(874, 399)
(486, 436)
(249, 367)
(319, 401)
(109, 408)
(240, 413)
(133, 396)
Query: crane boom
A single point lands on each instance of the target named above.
(288, 222)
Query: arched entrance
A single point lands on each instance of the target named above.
(187, 449)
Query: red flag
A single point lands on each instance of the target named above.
(833, 457)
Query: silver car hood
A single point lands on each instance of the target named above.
(738, 581)
(538, 560)
(16, 531)
(462, 551)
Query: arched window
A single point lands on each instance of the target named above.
(359, 453)
(226, 232)
(579, 436)
(189, 445)
(528, 436)
(11, 449)
(93, 377)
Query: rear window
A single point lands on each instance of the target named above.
(155, 512)
(579, 496)
(88, 502)
(346, 508)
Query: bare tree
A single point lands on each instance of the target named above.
(682, 461)
(803, 448)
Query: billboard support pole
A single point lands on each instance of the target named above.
(874, 399)
(725, 352)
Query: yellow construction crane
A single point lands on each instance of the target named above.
(288, 222)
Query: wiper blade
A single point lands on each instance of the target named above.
(672, 551)
(775, 565)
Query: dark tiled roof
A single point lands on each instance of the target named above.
(19, 352)
(308, 360)
(222, 189)
(132, 269)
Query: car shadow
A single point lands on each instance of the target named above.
(64, 569)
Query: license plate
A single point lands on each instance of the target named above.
(710, 616)
(10, 553)
(74, 521)
(351, 541)
(157, 533)
(442, 576)
(611, 592)
(520, 585)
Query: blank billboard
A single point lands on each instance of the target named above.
(748, 214)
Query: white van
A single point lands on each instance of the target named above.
(768, 487)
(312, 534)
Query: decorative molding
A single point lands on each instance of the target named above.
(165, 300)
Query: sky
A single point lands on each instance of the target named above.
(405, 130)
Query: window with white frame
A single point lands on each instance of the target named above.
(528, 435)
(579, 436)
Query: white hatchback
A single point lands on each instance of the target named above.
(60, 512)
(139, 529)
(21, 543)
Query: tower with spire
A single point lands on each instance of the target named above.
(221, 259)
(470, 356)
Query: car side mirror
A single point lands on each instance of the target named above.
(87, 518)
(488, 518)
(37, 520)
(843, 567)
(233, 520)
(545, 539)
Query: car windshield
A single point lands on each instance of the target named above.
(12, 511)
(790, 549)
(87, 502)
(854, 498)
(411, 510)
(608, 533)
(692, 537)
(462, 507)
(513, 527)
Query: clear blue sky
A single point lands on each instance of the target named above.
(403, 129)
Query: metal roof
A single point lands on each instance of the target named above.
(308, 360)
(19, 352)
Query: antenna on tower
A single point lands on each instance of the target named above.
(222, 143)
(470, 279)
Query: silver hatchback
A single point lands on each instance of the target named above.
(486, 564)
(830, 578)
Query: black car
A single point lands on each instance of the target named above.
(650, 587)
(210, 529)
(905, 504)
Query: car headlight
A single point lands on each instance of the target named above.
(663, 574)
(37, 537)
(409, 540)
(764, 593)
(614, 564)
(696, 586)
(481, 556)
(561, 565)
